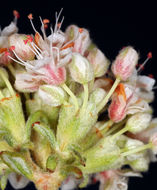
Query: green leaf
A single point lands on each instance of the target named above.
(17, 163)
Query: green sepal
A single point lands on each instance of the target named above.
(85, 181)
(12, 120)
(50, 112)
(72, 170)
(47, 133)
(73, 127)
(5, 147)
(37, 116)
(3, 132)
(3, 167)
(51, 162)
(104, 155)
(3, 181)
(76, 153)
(17, 162)
(42, 149)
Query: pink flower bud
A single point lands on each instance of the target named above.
(99, 62)
(22, 46)
(117, 108)
(125, 63)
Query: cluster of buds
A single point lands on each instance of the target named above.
(66, 118)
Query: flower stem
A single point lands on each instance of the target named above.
(11, 69)
(106, 99)
(138, 149)
(120, 132)
(7, 83)
(71, 94)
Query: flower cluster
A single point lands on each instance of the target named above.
(69, 117)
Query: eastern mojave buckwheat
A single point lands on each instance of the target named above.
(53, 90)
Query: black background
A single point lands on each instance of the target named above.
(112, 25)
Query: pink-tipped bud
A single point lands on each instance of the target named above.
(117, 108)
(125, 63)
(22, 49)
(99, 62)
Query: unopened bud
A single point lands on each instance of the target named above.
(99, 61)
(97, 96)
(138, 122)
(125, 63)
(140, 164)
(22, 49)
(52, 95)
(80, 68)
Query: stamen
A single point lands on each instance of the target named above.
(58, 55)
(80, 30)
(12, 48)
(34, 45)
(60, 24)
(30, 17)
(16, 14)
(45, 26)
(37, 53)
(51, 50)
(46, 21)
(57, 19)
(7, 53)
(141, 67)
(42, 28)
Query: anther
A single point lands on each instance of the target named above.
(80, 30)
(16, 14)
(30, 16)
(141, 67)
(46, 21)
